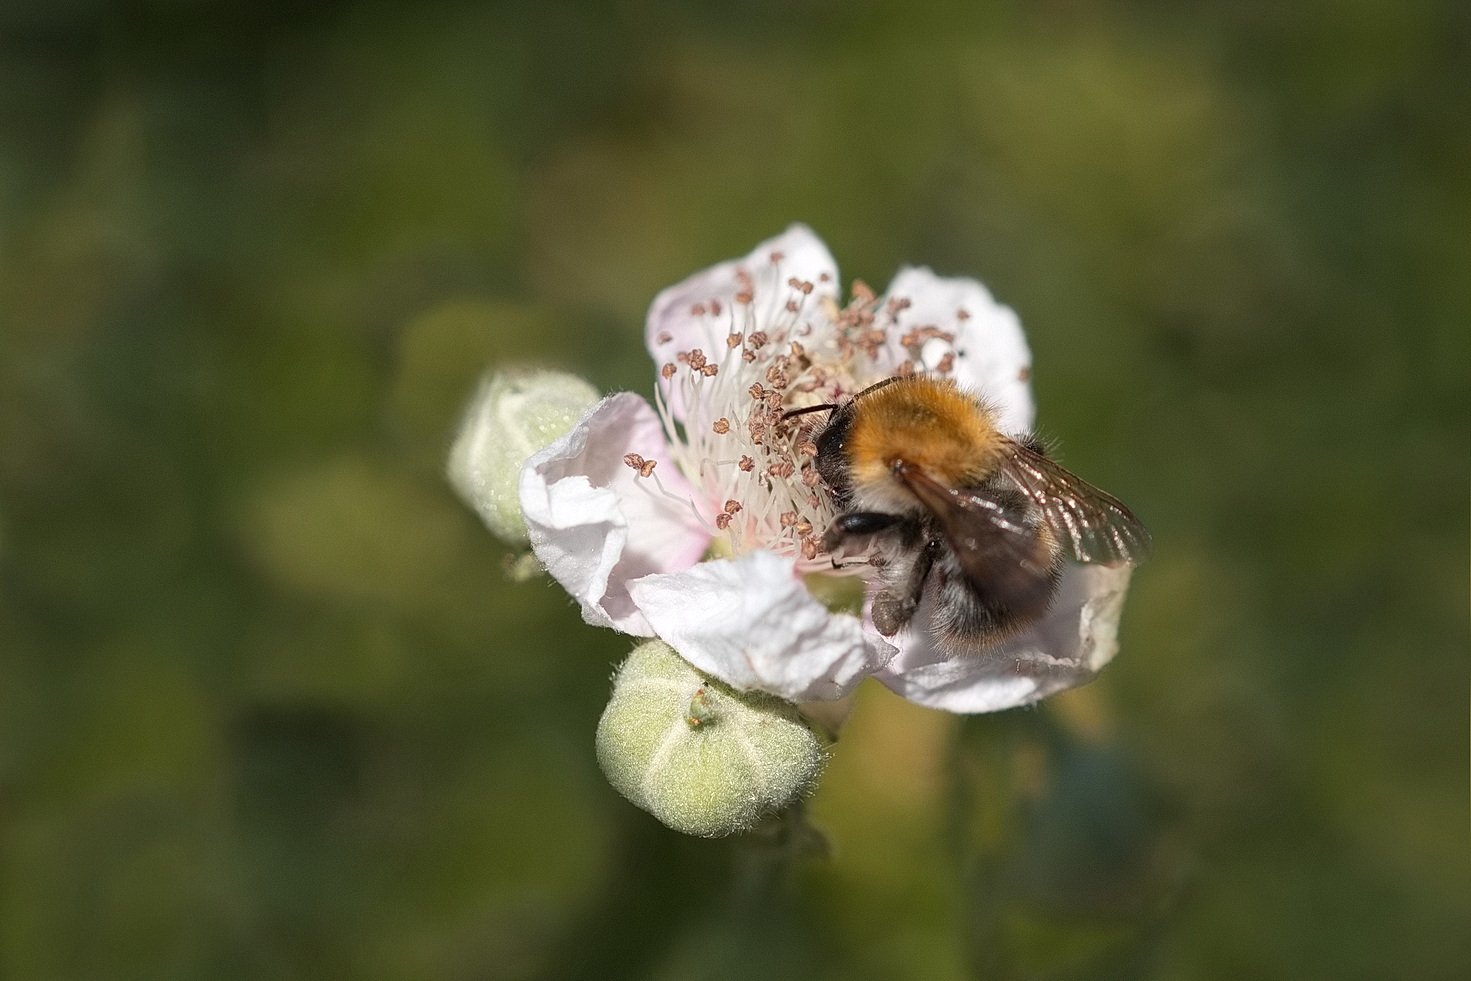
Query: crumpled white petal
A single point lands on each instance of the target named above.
(752, 624)
(596, 524)
(674, 326)
(991, 354)
(1068, 647)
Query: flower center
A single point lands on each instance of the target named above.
(754, 469)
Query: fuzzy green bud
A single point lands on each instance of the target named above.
(698, 755)
(513, 415)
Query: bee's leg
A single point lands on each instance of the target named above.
(894, 606)
(857, 524)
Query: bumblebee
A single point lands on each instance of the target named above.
(958, 517)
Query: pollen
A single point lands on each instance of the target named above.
(644, 467)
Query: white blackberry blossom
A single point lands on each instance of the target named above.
(696, 519)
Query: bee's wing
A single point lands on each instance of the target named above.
(1092, 526)
(993, 545)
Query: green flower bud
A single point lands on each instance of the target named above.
(512, 416)
(698, 755)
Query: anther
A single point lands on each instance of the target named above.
(733, 341)
(747, 464)
(644, 467)
(722, 426)
(668, 371)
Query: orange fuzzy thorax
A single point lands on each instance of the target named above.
(928, 423)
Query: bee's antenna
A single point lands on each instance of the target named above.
(833, 405)
(807, 409)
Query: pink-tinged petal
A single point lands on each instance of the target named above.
(738, 297)
(596, 524)
(751, 623)
(1068, 647)
(991, 357)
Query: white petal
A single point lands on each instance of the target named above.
(673, 326)
(1068, 647)
(991, 354)
(752, 624)
(596, 524)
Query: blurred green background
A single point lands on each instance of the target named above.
(268, 706)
